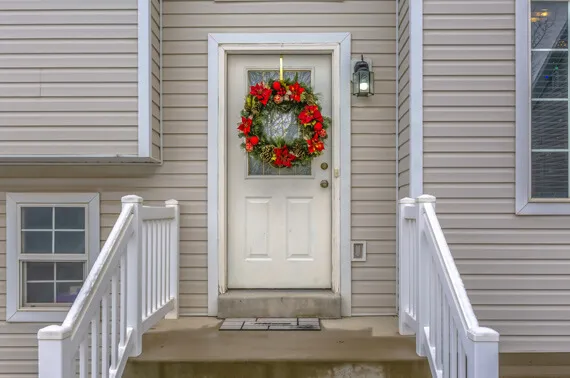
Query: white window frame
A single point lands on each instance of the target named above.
(525, 205)
(14, 312)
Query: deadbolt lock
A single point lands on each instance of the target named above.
(324, 166)
(324, 184)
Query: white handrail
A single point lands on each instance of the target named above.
(433, 302)
(132, 285)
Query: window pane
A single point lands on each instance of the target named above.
(69, 242)
(70, 218)
(550, 74)
(69, 271)
(549, 124)
(549, 25)
(550, 175)
(67, 291)
(37, 218)
(39, 271)
(36, 242)
(39, 293)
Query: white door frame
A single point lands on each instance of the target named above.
(219, 46)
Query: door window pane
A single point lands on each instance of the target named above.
(278, 124)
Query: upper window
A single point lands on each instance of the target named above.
(51, 240)
(543, 97)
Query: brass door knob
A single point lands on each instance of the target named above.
(324, 166)
(324, 184)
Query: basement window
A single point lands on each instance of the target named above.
(51, 242)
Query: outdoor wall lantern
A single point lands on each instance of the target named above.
(362, 79)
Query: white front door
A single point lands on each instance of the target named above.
(279, 220)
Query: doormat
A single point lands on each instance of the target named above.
(271, 324)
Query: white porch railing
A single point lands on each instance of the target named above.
(433, 302)
(133, 284)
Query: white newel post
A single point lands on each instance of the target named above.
(483, 353)
(423, 277)
(405, 251)
(174, 256)
(54, 354)
(134, 275)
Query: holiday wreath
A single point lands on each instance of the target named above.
(283, 96)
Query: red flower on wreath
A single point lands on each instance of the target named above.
(245, 126)
(283, 158)
(310, 113)
(315, 145)
(296, 91)
(262, 93)
(280, 89)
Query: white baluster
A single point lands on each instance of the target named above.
(154, 266)
(123, 300)
(149, 245)
(144, 252)
(438, 321)
(165, 267)
(159, 268)
(105, 335)
(95, 345)
(446, 329)
(453, 350)
(174, 243)
(461, 366)
(114, 320)
(83, 358)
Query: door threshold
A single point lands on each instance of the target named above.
(270, 303)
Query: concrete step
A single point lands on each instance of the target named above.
(279, 304)
(350, 347)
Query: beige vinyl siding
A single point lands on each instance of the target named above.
(156, 26)
(68, 77)
(514, 267)
(403, 99)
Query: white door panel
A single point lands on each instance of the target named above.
(279, 220)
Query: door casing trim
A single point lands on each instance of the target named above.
(219, 46)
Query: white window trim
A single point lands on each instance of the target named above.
(13, 312)
(524, 205)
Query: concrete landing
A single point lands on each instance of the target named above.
(279, 304)
(352, 347)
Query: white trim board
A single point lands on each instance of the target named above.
(523, 203)
(416, 99)
(219, 46)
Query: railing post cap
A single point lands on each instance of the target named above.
(54, 332)
(171, 202)
(483, 334)
(425, 198)
(407, 201)
(132, 199)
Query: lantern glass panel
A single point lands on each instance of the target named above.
(371, 83)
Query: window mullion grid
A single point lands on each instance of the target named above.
(568, 125)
